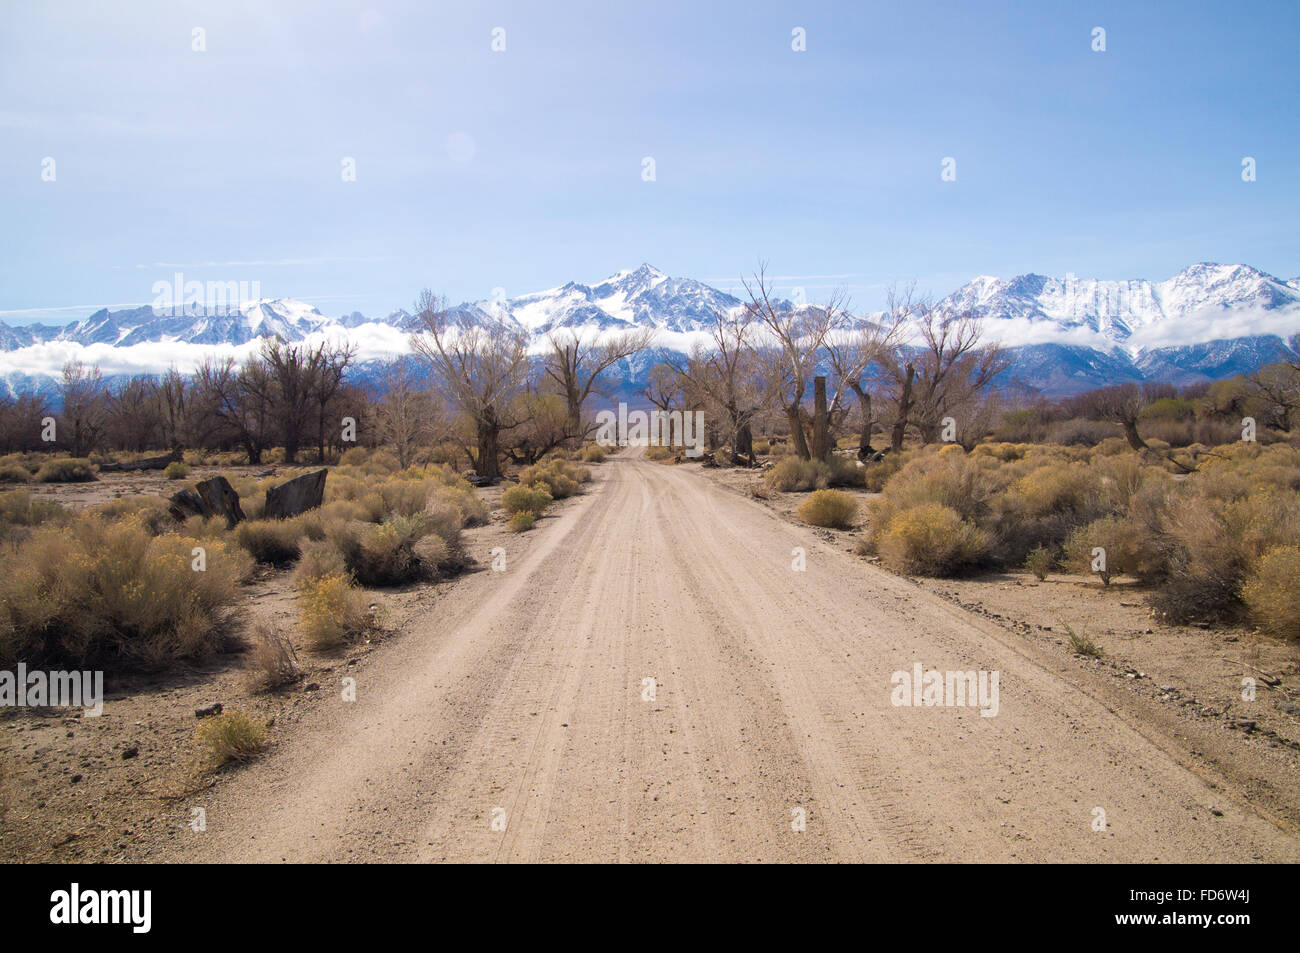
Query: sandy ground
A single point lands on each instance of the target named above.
(513, 721)
(123, 785)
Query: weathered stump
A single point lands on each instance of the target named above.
(212, 497)
(298, 495)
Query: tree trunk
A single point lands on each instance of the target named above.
(904, 408)
(864, 437)
(1131, 434)
(488, 463)
(798, 441)
(821, 437)
(743, 452)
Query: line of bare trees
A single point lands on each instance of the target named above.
(285, 395)
(812, 371)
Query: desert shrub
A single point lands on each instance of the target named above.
(1057, 488)
(833, 508)
(152, 511)
(18, 508)
(112, 594)
(230, 736)
(177, 470)
(526, 499)
(760, 490)
(272, 663)
(1120, 542)
(722, 457)
(522, 521)
(473, 510)
(1213, 543)
(1039, 561)
(318, 559)
(332, 611)
(353, 456)
(1272, 592)
(876, 475)
(561, 477)
(959, 482)
(660, 454)
(385, 555)
(13, 473)
(593, 453)
(1111, 446)
(762, 448)
(66, 470)
(1006, 452)
(790, 474)
(931, 540)
(846, 471)
(275, 542)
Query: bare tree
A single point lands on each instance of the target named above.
(84, 406)
(1276, 389)
(1123, 404)
(726, 378)
(480, 366)
(952, 369)
(330, 363)
(664, 390)
(794, 339)
(242, 399)
(575, 362)
(407, 417)
(859, 356)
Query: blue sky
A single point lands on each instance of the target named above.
(522, 169)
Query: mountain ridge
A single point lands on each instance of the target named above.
(1067, 334)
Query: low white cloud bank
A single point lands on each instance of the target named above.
(1197, 327)
(375, 341)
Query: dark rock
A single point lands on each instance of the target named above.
(130, 752)
(211, 497)
(311, 687)
(208, 710)
(296, 496)
(473, 479)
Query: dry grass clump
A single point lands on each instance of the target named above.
(526, 499)
(790, 474)
(113, 594)
(13, 473)
(20, 509)
(522, 521)
(931, 540)
(593, 453)
(318, 558)
(177, 470)
(230, 736)
(1272, 592)
(661, 454)
(332, 612)
(66, 470)
(275, 542)
(151, 511)
(833, 508)
(273, 662)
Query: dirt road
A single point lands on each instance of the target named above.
(521, 702)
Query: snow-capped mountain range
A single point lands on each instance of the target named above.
(1066, 334)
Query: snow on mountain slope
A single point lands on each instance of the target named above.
(1068, 333)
